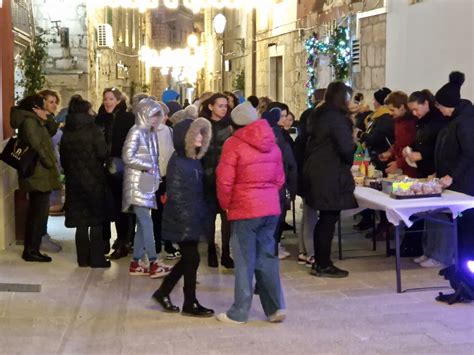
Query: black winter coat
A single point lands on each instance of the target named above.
(115, 127)
(289, 165)
(454, 155)
(83, 153)
(327, 177)
(221, 130)
(379, 133)
(185, 213)
(427, 130)
(301, 143)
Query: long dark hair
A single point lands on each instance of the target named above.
(420, 97)
(205, 111)
(78, 105)
(337, 96)
(30, 102)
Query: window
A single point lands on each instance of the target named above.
(276, 78)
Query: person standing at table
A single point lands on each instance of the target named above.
(454, 155)
(405, 134)
(327, 172)
(437, 243)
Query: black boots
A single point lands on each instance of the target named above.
(330, 271)
(227, 262)
(212, 256)
(36, 256)
(196, 310)
(165, 302)
(120, 251)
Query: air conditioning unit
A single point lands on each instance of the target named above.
(105, 36)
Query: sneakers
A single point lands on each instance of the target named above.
(158, 270)
(310, 261)
(331, 271)
(222, 317)
(47, 244)
(277, 317)
(173, 255)
(420, 259)
(432, 263)
(282, 253)
(137, 268)
(302, 258)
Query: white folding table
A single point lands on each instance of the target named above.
(405, 212)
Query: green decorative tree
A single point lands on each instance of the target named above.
(239, 81)
(31, 63)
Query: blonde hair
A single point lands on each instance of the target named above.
(47, 92)
(263, 103)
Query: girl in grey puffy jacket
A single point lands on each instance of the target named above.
(141, 180)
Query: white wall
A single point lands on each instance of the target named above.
(426, 41)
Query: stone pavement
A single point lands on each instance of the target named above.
(85, 311)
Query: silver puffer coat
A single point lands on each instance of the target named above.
(140, 155)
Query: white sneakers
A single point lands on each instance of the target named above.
(432, 263)
(420, 259)
(277, 317)
(428, 262)
(222, 317)
(282, 253)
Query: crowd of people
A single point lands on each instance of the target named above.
(164, 173)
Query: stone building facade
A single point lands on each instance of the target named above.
(371, 74)
(75, 64)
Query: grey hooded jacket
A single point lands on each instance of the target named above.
(140, 156)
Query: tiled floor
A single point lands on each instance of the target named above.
(84, 311)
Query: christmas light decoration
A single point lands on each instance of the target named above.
(194, 5)
(337, 48)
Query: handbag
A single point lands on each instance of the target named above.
(20, 156)
(147, 183)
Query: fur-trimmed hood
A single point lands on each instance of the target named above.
(184, 134)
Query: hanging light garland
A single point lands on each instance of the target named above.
(194, 5)
(180, 63)
(337, 48)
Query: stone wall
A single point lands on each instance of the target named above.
(372, 56)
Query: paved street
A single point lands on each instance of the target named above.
(81, 311)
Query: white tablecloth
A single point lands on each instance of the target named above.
(401, 210)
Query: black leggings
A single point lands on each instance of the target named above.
(187, 267)
(322, 237)
(37, 218)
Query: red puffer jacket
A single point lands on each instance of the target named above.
(250, 173)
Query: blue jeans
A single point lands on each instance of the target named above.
(438, 242)
(253, 247)
(144, 239)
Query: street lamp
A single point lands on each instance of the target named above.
(193, 41)
(219, 23)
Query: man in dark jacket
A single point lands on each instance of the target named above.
(380, 129)
(454, 155)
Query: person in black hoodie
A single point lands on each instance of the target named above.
(288, 192)
(83, 152)
(115, 121)
(184, 211)
(454, 156)
(216, 111)
(327, 172)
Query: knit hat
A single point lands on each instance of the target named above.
(272, 116)
(173, 106)
(450, 94)
(381, 94)
(244, 114)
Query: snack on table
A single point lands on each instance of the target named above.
(414, 187)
